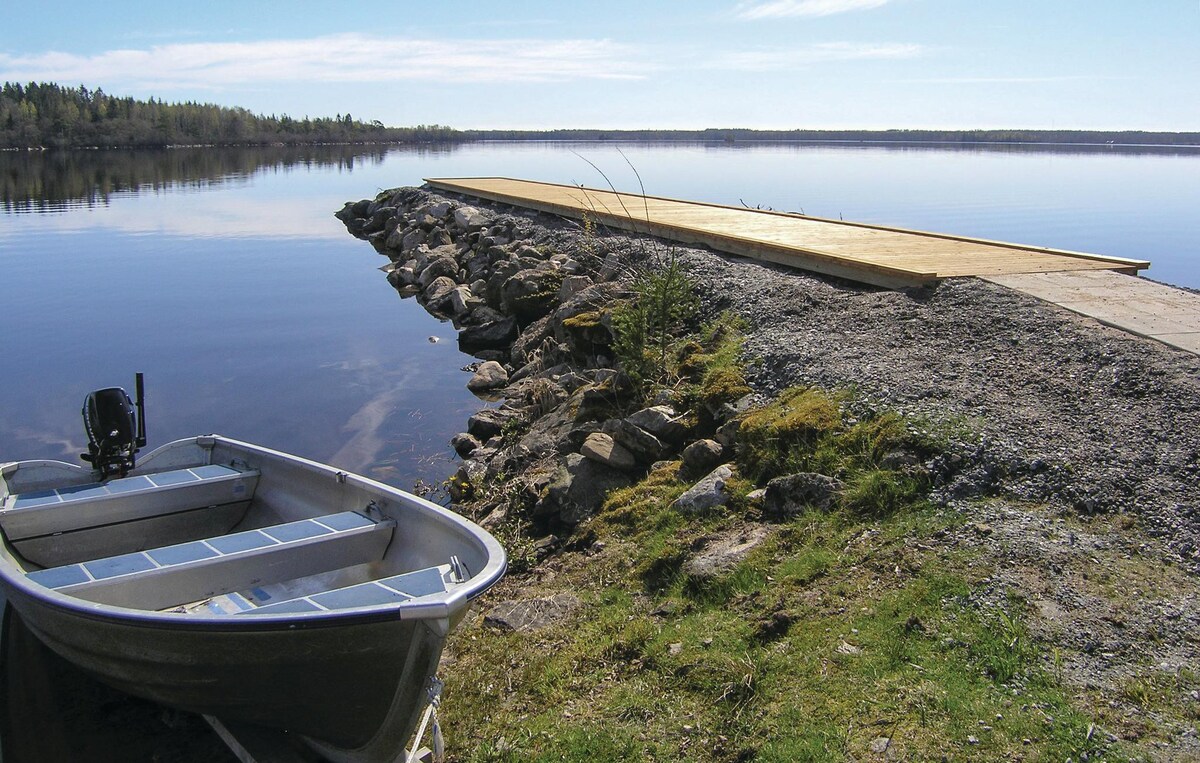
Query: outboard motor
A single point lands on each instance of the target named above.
(114, 433)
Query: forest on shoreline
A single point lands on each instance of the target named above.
(47, 115)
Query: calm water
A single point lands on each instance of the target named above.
(223, 275)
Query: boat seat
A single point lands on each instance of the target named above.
(398, 588)
(161, 578)
(27, 516)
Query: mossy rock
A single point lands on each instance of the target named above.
(584, 321)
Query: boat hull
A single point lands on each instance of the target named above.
(352, 682)
(342, 686)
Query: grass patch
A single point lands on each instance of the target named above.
(837, 630)
(876, 455)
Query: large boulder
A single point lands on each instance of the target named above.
(477, 265)
(644, 446)
(580, 321)
(721, 554)
(465, 444)
(402, 276)
(660, 421)
(530, 344)
(572, 285)
(438, 266)
(410, 240)
(789, 495)
(460, 301)
(438, 291)
(470, 218)
(707, 494)
(603, 449)
(530, 294)
(500, 273)
(551, 420)
(701, 456)
(578, 488)
(489, 376)
(497, 335)
(488, 423)
(378, 219)
(435, 209)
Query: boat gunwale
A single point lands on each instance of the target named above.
(445, 607)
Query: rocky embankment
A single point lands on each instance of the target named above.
(1059, 421)
(530, 298)
(1056, 408)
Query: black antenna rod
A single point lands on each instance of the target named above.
(141, 410)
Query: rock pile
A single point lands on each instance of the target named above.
(537, 318)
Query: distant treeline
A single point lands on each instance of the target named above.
(737, 135)
(48, 115)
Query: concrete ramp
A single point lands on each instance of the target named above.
(1133, 304)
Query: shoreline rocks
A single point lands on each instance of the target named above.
(1045, 396)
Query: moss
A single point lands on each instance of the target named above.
(786, 436)
(584, 321)
(809, 430)
(722, 385)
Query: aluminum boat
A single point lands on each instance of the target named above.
(236, 581)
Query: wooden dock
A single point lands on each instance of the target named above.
(875, 254)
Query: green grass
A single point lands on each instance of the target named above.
(841, 627)
(837, 630)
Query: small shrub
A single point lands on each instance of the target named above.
(646, 326)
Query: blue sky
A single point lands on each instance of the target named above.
(1091, 64)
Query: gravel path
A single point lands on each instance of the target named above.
(1069, 411)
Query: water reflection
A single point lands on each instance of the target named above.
(1067, 149)
(53, 181)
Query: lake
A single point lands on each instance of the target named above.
(223, 275)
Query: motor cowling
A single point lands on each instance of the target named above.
(115, 430)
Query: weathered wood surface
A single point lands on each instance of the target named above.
(890, 257)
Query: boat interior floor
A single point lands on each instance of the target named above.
(328, 562)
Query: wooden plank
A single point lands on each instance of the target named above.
(878, 274)
(877, 254)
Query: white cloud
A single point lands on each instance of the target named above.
(784, 8)
(333, 58)
(776, 59)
